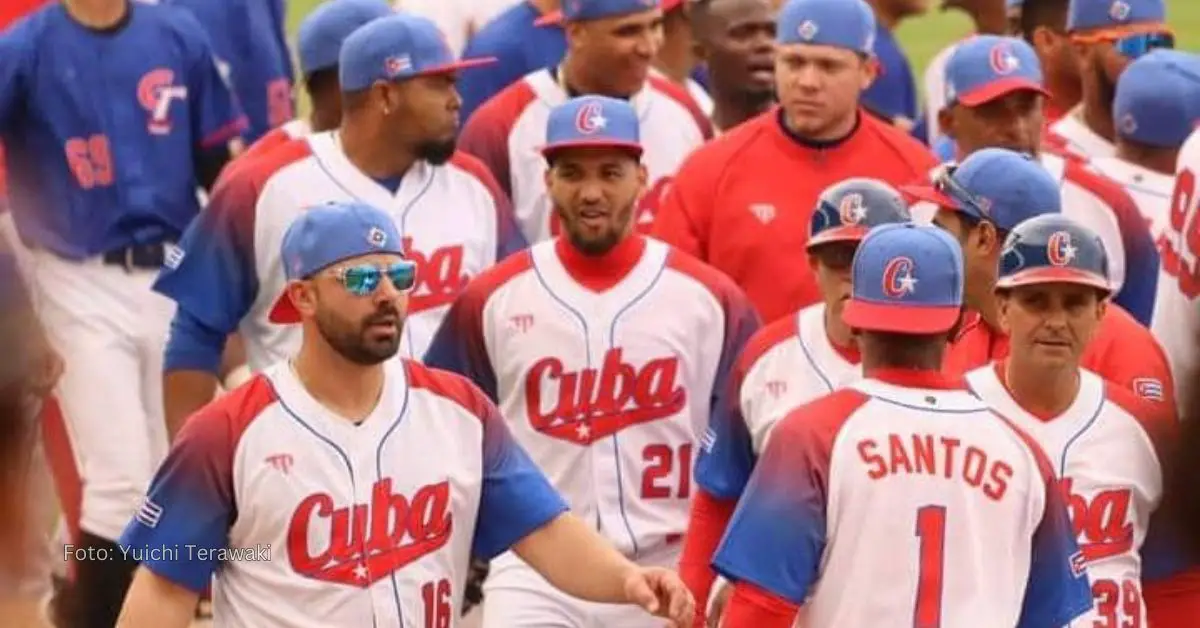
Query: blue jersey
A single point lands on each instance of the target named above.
(101, 127)
(245, 35)
(520, 46)
(893, 94)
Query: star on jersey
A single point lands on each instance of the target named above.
(360, 572)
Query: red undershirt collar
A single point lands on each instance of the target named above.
(600, 272)
(915, 378)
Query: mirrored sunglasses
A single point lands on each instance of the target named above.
(364, 279)
(1139, 44)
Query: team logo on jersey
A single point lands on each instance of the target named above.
(1059, 250)
(1101, 521)
(898, 278)
(440, 275)
(590, 118)
(807, 30)
(582, 407)
(359, 544)
(155, 92)
(852, 209)
(1119, 10)
(1003, 60)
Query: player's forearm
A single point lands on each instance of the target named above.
(190, 367)
(752, 607)
(706, 525)
(576, 560)
(156, 602)
(185, 392)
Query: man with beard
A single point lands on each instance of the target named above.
(269, 487)
(1043, 25)
(1051, 297)
(995, 92)
(608, 352)
(743, 202)
(394, 148)
(786, 364)
(1108, 35)
(735, 40)
(611, 45)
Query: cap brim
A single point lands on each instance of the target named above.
(670, 5)
(284, 312)
(996, 89)
(553, 18)
(845, 233)
(631, 147)
(900, 319)
(461, 64)
(1041, 275)
(929, 194)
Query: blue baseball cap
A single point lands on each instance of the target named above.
(907, 279)
(1093, 15)
(1053, 249)
(1158, 98)
(986, 67)
(321, 34)
(585, 10)
(846, 211)
(593, 121)
(327, 234)
(846, 24)
(397, 47)
(1001, 186)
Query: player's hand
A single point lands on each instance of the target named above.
(660, 592)
(720, 599)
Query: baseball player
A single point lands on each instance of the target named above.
(1157, 105)
(976, 531)
(1043, 25)
(1109, 34)
(735, 40)
(341, 488)
(607, 392)
(113, 113)
(1176, 315)
(743, 202)
(988, 17)
(994, 95)
(979, 202)
(611, 44)
(319, 41)
(1051, 295)
(786, 364)
(394, 148)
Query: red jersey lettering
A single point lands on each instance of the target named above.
(925, 454)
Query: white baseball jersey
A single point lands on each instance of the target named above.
(607, 384)
(903, 500)
(1176, 321)
(507, 132)
(458, 20)
(935, 88)
(1105, 448)
(1080, 140)
(307, 519)
(454, 219)
(1150, 190)
(788, 363)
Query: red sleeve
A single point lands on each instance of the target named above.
(1173, 602)
(486, 133)
(1127, 354)
(706, 525)
(752, 607)
(685, 215)
(680, 94)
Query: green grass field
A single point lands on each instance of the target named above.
(923, 37)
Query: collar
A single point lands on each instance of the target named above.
(1001, 369)
(848, 352)
(600, 272)
(817, 145)
(915, 378)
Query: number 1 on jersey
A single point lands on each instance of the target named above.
(931, 530)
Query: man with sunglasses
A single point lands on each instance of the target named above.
(994, 98)
(1108, 35)
(608, 352)
(980, 202)
(1043, 25)
(786, 364)
(1051, 296)
(395, 147)
(270, 487)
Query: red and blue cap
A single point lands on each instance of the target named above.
(585, 10)
(846, 24)
(847, 210)
(395, 48)
(1098, 15)
(907, 279)
(593, 121)
(327, 234)
(321, 34)
(1000, 186)
(1157, 101)
(1053, 249)
(986, 67)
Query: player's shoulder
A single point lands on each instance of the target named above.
(260, 167)
(1105, 188)
(177, 22)
(730, 150)
(450, 386)
(680, 96)
(472, 170)
(900, 143)
(495, 36)
(717, 283)
(1157, 420)
(221, 422)
(37, 26)
(766, 340)
(824, 416)
(481, 288)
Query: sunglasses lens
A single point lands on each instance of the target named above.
(1135, 46)
(403, 275)
(361, 280)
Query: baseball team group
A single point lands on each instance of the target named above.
(605, 313)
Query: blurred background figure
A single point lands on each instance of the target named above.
(676, 59)
(735, 41)
(893, 94)
(459, 20)
(1043, 25)
(1157, 105)
(1108, 35)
